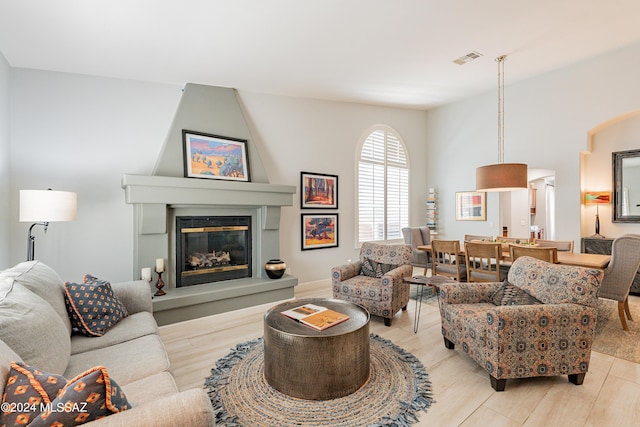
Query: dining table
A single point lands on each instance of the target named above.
(598, 261)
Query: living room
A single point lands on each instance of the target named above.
(81, 132)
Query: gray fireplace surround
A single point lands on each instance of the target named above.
(158, 200)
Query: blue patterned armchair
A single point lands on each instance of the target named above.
(375, 280)
(542, 323)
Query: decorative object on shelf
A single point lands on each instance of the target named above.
(471, 206)
(159, 283)
(532, 199)
(597, 198)
(319, 231)
(432, 210)
(275, 268)
(318, 191)
(501, 176)
(626, 186)
(145, 274)
(44, 206)
(505, 231)
(215, 157)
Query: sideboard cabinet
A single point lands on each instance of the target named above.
(599, 245)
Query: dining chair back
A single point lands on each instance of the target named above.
(483, 262)
(446, 260)
(473, 238)
(549, 254)
(562, 245)
(515, 240)
(414, 237)
(619, 274)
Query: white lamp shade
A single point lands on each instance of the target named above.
(47, 206)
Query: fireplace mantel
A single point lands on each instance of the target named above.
(157, 199)
(193, 191)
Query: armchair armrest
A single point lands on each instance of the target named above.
(467, 293)
(345, 271)
(135, 295)
(398, 273)
(189, 408)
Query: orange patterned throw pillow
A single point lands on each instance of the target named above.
(92, 306)
(36, 398)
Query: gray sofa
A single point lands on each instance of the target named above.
(35, 329)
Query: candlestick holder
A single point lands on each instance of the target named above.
(159, 284)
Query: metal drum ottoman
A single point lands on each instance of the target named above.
(302, 362)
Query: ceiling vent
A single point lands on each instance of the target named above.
(467, 58)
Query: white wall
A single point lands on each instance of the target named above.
(597, 174)
(547, 120)
(79, 133)
(295, 135)
(4, 161)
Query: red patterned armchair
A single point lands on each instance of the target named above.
(375, 280)
(541, 323)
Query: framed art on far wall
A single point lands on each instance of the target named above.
(215, 157)
(318, 191)
(319, 231)
(471, 206)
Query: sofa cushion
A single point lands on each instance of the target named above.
(161, 383)
(555, 283)
(128, 362)
(43, 281)
(89, 396)
(133, 326)
(92, 306)
(27, 391)
(31, 328)
(512, 295)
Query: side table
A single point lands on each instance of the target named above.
(422, 282)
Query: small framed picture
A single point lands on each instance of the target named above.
(318, 191)
(215, 157)
(471, 206)
(319, 231)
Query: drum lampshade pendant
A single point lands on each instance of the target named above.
(501, 176)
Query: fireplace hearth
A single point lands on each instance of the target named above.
(212, 249)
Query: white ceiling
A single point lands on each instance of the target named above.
(388, 52)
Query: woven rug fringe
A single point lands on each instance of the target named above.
(422, 398)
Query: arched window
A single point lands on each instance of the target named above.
(383, 186)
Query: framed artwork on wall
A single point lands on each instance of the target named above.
(318, 191)
(215, 157)
(471, 206)
(319, 231)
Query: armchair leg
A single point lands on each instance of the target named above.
(626, 309)
(404, 308)
(576, 379)
(448, 344)
(499, 385)
(387, 321)
(621, 314)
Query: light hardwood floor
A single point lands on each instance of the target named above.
(610, 395)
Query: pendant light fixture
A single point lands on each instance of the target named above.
(501, 176)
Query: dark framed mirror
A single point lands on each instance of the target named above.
(626, 186)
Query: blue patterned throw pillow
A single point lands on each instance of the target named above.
(92, 306)
(508, 294)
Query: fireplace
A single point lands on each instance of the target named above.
(212, 249)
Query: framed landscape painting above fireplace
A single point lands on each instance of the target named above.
(215, 157)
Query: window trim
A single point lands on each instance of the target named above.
(362, 141)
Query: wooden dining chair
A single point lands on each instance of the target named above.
(483, 262)
(549, 254)
(562, 245)
(473, 237)
(446, 261)
(513, 239)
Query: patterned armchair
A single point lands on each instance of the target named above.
(382, 291)
(542, 323)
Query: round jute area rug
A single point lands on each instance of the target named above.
(397, 389)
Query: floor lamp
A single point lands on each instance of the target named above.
(42, 207)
